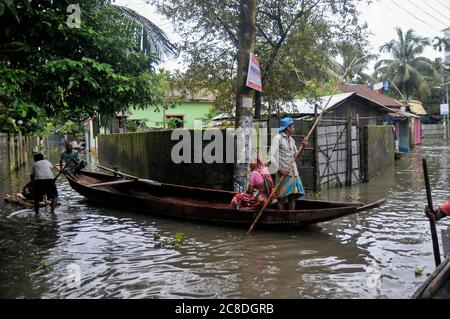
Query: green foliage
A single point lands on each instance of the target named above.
(173, 122)
(419, 272)
(212, 112)
(176, 242)
(441, 44)
(296, 42)
(46, 265)
(135, 125)
(355, 55)
(407, 68)
(71, 127)
(49, 69)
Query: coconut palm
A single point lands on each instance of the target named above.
(407, 68)
(441, 44)
(352, 54)
(151, 38)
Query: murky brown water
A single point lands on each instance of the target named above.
(116, 251)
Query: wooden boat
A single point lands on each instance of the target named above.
(437, 286)
(201, 205)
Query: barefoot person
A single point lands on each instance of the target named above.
(283, 149)
(43, 182)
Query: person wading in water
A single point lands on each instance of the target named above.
(43, 182)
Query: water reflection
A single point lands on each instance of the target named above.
(119, 256)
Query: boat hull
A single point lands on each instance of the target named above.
(202, 205)
(437, 286)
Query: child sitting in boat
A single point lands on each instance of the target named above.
(259, 188)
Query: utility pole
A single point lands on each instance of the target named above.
(244, 95)
(447, 133)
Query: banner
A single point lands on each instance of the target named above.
(444, 109)
(254, 74)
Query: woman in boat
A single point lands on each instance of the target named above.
(439, 212)
(282, 151)
(259, 188)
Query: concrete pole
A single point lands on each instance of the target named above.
(244, 95)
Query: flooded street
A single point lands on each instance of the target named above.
(126, 255)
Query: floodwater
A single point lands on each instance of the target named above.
(86, 251)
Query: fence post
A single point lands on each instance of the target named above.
(348, 180)
(316, 156)
(358, 131)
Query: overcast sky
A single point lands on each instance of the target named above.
(427, 17)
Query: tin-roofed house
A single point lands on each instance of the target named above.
(350, 144)
(408, 128)
(416, 108)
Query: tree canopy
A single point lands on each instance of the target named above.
(52, 67)
(296, 40)
(407, 68)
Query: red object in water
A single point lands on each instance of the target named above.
(445, 208)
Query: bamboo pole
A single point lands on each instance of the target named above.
(434, 237)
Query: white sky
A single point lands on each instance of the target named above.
(427, 17)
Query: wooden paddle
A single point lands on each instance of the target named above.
(135, 178)
(61, 171)
(434, 237)
(300, 151)
(65, 166)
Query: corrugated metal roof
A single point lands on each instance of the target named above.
(372, 95)
(401, 113)
(306, 106)
(416, 107)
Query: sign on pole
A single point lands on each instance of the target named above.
(254, 74)
(378, 86)
(444, 109)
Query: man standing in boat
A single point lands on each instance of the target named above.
(283, 149)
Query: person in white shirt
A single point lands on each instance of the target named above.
(43, 182)
(282, 151)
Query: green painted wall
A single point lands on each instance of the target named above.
(378, 150)
(191, 111)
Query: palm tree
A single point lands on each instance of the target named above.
(441, 44)
(352, 53)
(356, 74)
(407, 68)
(154, 40)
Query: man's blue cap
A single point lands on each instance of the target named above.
(285, 123)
